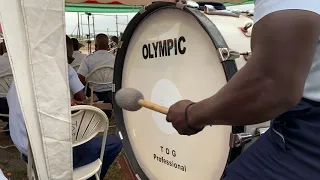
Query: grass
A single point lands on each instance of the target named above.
(10, 161)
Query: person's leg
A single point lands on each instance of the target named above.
(4, 109)
(289, 150)
(264, 156)
(106, 97)
(90, 151)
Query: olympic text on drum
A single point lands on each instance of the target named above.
(164, 47)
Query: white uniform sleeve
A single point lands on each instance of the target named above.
(265, 7)
(84, 68)
(74, 81)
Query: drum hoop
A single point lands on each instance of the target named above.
(229, 67)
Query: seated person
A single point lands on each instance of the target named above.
(1, 49)
(78, 56)
(5, 68)
(100, 58)
(83, 154)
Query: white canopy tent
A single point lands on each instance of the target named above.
(34, 32)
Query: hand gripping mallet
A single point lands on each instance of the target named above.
(132, 100)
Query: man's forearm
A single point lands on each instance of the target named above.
(250, 97)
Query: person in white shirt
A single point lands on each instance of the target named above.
(83, 154)
(5, 68)
(77, 54)
(99, 58)
(281, 82)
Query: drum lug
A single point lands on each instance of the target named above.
(246, 55)
(238, 140)
(227, 54)
(244, 29)
(192, 4)
(261, 131)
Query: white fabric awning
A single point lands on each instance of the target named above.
(34, 31)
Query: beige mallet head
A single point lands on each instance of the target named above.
(128, 99)
(132, 100)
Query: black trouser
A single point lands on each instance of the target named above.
(4, 109)
(106, 97)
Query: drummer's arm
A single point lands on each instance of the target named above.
(273, 80)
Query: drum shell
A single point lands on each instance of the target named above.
(195, 75)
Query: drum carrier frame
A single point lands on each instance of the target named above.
(226, 56)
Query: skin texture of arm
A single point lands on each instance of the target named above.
(82, 79)
(283, 48)
(80, 96)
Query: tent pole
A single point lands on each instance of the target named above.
(117, 25)
(89, 36)
(81, 27)
(94, 31)
(78, 32)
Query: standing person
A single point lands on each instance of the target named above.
(77, 54)
(279, 82)
(100, 58)
(114, 47)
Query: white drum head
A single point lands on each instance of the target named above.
(188, 69)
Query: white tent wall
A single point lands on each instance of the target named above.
(34, 31)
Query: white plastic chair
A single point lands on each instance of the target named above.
(100, 75)
(76, 67)
(87, 122)
(5, 82)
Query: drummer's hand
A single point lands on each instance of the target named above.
(75, 102)
(177, 117)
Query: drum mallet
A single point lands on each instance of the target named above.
(132, 100)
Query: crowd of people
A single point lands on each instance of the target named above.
(85, 153)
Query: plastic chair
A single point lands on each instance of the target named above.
(76, 67)
(5, 82)
(100, 75)
(87, 122)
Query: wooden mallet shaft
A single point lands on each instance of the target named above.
(153, 106)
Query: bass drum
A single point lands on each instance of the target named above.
(171, 52)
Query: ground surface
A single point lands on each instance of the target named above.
(10, 161)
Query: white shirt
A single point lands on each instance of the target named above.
(78, 58)
(93, 61)
(5, 66)
(2, 177)
(17, 126)
(265, 7)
